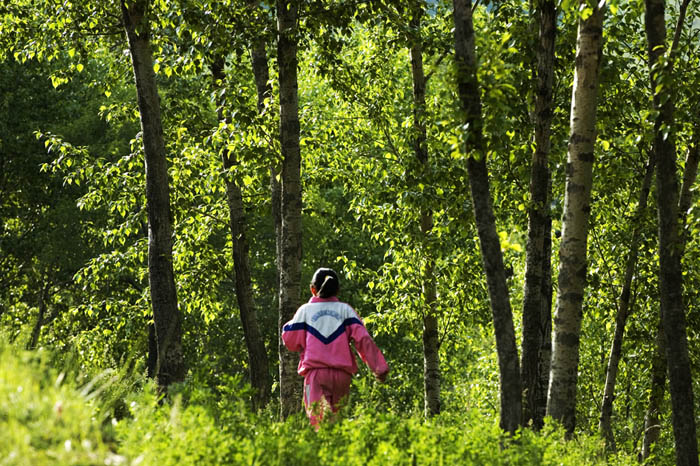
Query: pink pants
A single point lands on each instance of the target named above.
(323, 389)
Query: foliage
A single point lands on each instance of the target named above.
(77, 228)
(48, 417)
(51, 418)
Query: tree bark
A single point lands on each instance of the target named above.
(652, 424)
(276, 211)
(545, 354)
(652, 428)
(623, 312)
(152, 356)
(258, 365)
(431, 340)
(170, 364)
(535, 321)
(290, 251)
(689, 176)
(41, 317)
(258, 55)
(491, 254)
(258, 58)
(670, 269)
(561, 402)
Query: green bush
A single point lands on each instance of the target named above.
(204, 432)
(117, 418)
(44, 419)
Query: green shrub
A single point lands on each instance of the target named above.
(44, 419)
(203, 433)
(116, 418)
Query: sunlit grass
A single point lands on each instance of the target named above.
(47, 418)
(43, 419)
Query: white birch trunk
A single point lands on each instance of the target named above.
(561, 401)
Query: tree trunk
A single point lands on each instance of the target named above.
(561, 402)
(491, 255)
(539, 219)
(258, 365)
(41, 317)
(652, 424)
(431, 340)
(290, 251)
(258, 55)
(170, 365)
(623, 312)
(689, 175)
(257, 355)
(152, 357)
(670, 269)
(652, 428)
(545, 355)
(276, 210)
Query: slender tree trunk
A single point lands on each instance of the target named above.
(431, 340)
(659, 366)
(689, 176)
(258, 55)
(170, 365)
(258, 365)
(545, 355)
(36, 331)
(652, 424)
(539, 219)
(152, 357)
(276, 210)
(491, 254)
(561, 402)
(652, 428)
(257, 355)
(41, 317)
(290, 251)
(623, 312)
(670, 269)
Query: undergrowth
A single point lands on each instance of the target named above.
(52, 417)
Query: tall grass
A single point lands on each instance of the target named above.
(45, 419)
(54, 416)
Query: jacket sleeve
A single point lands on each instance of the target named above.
(294, 335)
(367, 348)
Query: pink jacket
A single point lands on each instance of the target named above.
(322, 330)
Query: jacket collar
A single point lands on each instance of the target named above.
(316, 299)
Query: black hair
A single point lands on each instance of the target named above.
(326, 282)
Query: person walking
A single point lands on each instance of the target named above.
(322, 330)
